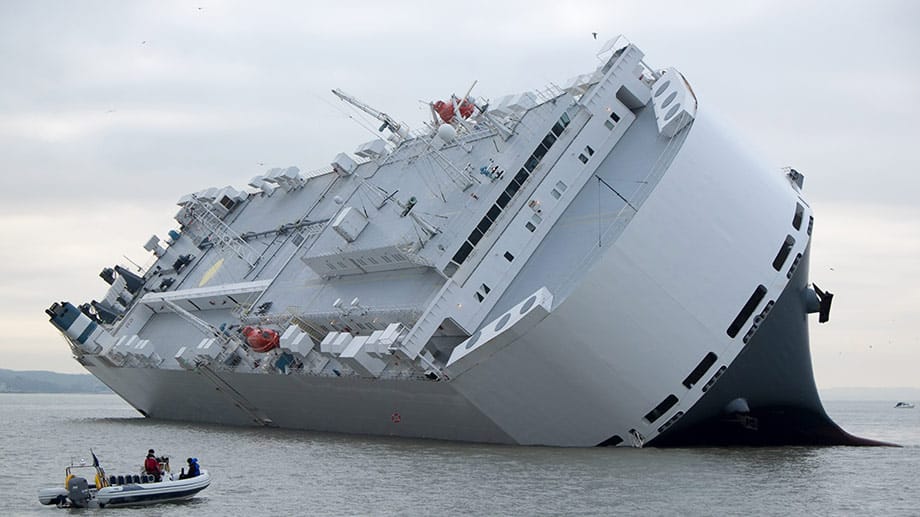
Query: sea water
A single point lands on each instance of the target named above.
(279, 472)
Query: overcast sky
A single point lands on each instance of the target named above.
(110, 111)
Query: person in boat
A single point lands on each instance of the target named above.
(152, 465)
(193, 469)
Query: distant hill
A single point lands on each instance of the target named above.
(12, 381)
(890, 394)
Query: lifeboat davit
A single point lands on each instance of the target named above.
(261, 340)
(446, 110)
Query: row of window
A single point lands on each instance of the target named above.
(746, 311)
(611, 123)
(757, 321)
(743, 316)
(797, 219)
(700, 370)
(671, 400)
(588, 153)
(781, 256)
(513, 187)
(784, 250)
(661, 408)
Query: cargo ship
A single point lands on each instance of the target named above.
(594, 263)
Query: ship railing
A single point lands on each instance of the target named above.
(612, 50)
(477, 133)
(316, 172)
(359, 319)
(423, 147)
(421, 132)
(221, 234)
(547, 94)
(328, 168)
(403, 372)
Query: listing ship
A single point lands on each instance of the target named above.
(598, 263)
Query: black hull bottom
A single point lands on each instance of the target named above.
(765, 426)
(773, 377)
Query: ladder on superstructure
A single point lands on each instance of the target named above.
(229, 345)
(221, 235)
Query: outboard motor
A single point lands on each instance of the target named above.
(78, 492)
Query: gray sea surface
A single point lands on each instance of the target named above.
(280, 472)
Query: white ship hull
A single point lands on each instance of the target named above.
(621, 309)
(776, 382)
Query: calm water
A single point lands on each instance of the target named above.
(276, 472)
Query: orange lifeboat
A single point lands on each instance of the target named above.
(446, 110)
(259, 339)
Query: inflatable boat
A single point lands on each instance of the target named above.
(121, 490)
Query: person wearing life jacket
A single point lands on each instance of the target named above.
(193, 469)
(152, 465)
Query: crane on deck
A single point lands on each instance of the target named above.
(399, 130)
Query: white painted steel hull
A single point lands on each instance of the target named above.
(621, 289)
(623, 339)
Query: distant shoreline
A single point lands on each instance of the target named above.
(38, 381)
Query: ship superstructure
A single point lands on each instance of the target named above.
(593, 264)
